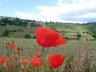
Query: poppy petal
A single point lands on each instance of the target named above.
(60, 41)
(36, 62)
(56, 60)
(45, 36)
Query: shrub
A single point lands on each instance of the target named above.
(78, 36)
(27, 36)
(67, 38)
(94, 35)
(6, 33)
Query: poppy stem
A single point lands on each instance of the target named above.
(45, 53)
(52, 70)
(57, 70)
(42, 52)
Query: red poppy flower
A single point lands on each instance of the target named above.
(56, 60)
(48, 38)
(3, 59)
(18, 52)
(10, 64)
(39, 54)
(24, 61)
(13, 45)
(36, 62)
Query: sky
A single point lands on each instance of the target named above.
(78, 11)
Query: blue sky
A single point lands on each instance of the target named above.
(50, 10)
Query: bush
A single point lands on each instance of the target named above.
(78, 36)
(6, 33)
(27, 36)
(94, 35)
(67, 38)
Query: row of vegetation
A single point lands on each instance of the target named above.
(6, 33)
(17, 21)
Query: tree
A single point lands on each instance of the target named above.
(79, 36)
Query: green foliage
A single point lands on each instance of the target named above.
(6, 33)
(68, 65)
(78, 36)
(54, 28)
(17, 21)
(27, 36)
(67, 38)
(94, 35)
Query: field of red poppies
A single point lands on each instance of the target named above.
(50, 52)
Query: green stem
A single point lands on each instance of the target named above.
(42, 52)
(52, 70)
(57, 70)
(45, 53)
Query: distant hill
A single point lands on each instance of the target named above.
(71, 31)
(24, 22)
(17, 27)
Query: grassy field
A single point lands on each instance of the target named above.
(30, 45)
(17, 31)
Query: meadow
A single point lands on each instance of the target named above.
(30, 45)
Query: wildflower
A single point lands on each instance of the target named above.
(49, 38)
(36, 62)
(24, 61)
(56, 60)
(18, 52)
(11, 45)
(3, 59)
(39, 54)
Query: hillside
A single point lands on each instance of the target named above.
(87, 31)
(70, 31)
(18, 28)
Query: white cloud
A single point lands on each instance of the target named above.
(87, 15)
(38, 17)
(83, 1)
(63, 11)
(27, 15)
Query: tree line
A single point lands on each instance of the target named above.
(17, 21)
